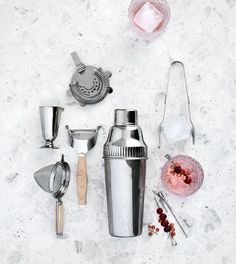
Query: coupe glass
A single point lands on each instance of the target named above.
(176, 183)
(149, 17)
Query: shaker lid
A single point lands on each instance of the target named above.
(125, 139)
(125, 117)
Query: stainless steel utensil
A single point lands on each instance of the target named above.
(55, 179)
(173, 241)
(164, 200)
(125, 154)
(82, 140)
(177, 65)
(89, 85)
(50, 118)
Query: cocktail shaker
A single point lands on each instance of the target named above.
(125, 154)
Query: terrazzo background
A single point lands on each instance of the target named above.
(36, 39)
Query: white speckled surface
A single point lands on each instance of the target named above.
(36, 38)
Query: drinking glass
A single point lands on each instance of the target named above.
(182, 175)
(149, 17)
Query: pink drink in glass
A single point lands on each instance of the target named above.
(149, 17)
(182, 175)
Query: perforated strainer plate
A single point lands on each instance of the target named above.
(89, 85)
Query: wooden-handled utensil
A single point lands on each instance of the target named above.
(54, 179)
(82, 140)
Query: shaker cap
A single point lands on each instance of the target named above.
(125, 117)
(125, 138)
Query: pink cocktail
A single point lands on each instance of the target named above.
(182, 175)
(149, 17)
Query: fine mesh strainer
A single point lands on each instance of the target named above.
(89, 85)
(55, 179)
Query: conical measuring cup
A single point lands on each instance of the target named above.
(50, 119)
(55, 179)
(82, 140)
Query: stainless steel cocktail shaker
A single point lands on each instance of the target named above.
(125, 154)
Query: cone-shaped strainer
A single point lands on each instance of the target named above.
(55, 179)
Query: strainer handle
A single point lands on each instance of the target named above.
(59, 218)
(80, 67)
(82, 180)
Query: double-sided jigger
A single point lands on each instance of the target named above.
(55, 179)
(82, 140)
(50, 119)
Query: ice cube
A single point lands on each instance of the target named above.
(177, 128)
(148, 18)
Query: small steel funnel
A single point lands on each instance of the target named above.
(82, 140)
(55, 179)
(50, 119)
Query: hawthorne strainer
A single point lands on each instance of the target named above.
(89, 85)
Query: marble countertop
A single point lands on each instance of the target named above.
(36, 39)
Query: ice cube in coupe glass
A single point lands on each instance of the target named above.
(148, 18)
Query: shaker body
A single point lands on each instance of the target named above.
(125, 155)
(125, 186)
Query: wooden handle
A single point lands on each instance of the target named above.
(59, 218)
(82, 180)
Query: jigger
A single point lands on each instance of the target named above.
(50, 119)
